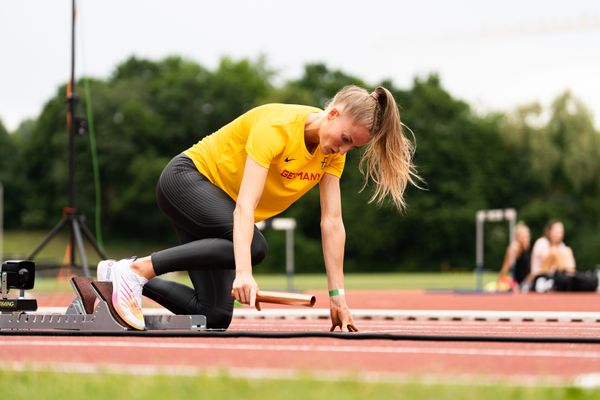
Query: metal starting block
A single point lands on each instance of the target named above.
(90, 311)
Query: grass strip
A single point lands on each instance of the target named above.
(60, 386)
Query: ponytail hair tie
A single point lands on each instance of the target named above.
(377, 113)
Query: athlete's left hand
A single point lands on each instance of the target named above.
(245, 289)
(340, 315)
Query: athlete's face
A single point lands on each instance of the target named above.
(340, 134)
(523, 237)
(556, 233)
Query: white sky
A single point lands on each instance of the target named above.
(494, 54)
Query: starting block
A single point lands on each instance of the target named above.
(90, 311)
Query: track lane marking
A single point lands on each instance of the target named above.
(467, 379)
(308, 348)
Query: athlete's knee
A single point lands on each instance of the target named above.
(259, 250)
(218, 318)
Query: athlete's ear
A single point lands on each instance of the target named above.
(333, 113)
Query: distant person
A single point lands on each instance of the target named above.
(517, 260)
(550, 253)
(553, 264)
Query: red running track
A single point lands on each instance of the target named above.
(422, 300)
(476, 362)
(516, 363)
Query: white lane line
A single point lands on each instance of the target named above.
(293, 374)
(396, 314)
(577, 331)
(436, 326)
(427, 331)
(433, 331)
(306, 348)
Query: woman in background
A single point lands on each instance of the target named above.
(553, 263)
(516, 265)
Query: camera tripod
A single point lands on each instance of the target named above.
(70, 216)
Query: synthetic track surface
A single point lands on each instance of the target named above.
(520, 363)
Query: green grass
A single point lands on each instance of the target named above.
(18, 244)
(378, 281)
(307, 282)
(54, 385)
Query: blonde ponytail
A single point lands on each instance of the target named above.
(387, 159)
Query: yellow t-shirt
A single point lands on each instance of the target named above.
(273, 136)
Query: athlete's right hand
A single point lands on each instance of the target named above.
(245, 289)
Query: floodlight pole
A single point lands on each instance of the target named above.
(71, 100)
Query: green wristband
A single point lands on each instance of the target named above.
(336, 292)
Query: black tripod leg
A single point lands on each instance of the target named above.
(80, 248)
(88, 235)
(48, 237)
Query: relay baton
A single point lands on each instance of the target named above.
(288, 299)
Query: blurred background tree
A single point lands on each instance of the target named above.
(561, 149)
(9, 177)
(544, 163)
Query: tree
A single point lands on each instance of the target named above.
(149, 111)
(9, 177)
(562, 150)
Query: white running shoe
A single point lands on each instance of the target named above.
(104, 270)
(127, 293)
(543, 284)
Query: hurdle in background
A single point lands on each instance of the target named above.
(497, 215)
(288, 225)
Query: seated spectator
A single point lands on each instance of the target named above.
(516, 264)
(550, 253)
(553, 264)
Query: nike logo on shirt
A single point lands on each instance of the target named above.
(289, 159)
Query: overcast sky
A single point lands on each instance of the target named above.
(494, 54)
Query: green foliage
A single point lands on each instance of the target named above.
(9, 175)
(544, 163)
(561, 153)
(317, 86)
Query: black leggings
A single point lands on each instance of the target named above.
(202, 215)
